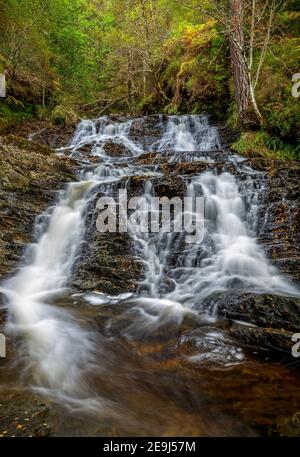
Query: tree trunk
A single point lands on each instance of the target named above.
(130, 98)
(242, 89)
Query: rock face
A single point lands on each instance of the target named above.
(274, 320)
(30, 175)
(148, 130)
(262, 310)
(106, 260)
(115, 149)
(279, 218)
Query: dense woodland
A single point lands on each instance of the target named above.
(235, 59)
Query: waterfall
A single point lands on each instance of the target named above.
(56, 349)
(177, 277)
(228, 258)
(231, 257)
(97, 134)
(188, 133)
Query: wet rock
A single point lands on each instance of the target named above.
(274, 319)
(169, 186)
(185, 168)
(262, 310)
(279, 216)
(148, 130)
(211, 157)
(134, 184)
(150, 158)
(85, 149)
(115, 149)
(107, 261)
(227, 135)
(278, 342)
(23, 414)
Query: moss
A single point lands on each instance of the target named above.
(254, 144)
(63, 114)
(27, 145)
(13, 114)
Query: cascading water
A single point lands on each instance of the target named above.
(177, 277)
(231, 257)
(56, 350)
(188, 133)
(98, 134)
(227, 258)
(55, 347)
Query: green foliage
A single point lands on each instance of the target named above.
(51, 49)
(11, 114)
(155, 55)
(196, 71)
(63, 114)
(276, 144)
(261, 144)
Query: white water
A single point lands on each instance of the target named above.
(97, 134)
(188, 133)
(181, 276)
(57, 350)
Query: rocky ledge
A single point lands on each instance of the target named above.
(262, 321)
(31, 174)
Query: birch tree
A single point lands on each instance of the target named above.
(248, 25)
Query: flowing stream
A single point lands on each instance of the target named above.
(69, 361)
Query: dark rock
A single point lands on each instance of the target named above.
(185, 168)
(169, 186)
(150, 158)
(85, 149)
(23, 414)
(115, 149)
(263, 310)
(148, 129)
(107, 262)
(275, 341)
(274, 319)
(227, 135)
(279, 217)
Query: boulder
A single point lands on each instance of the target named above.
(114, 149)
(273, 318)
